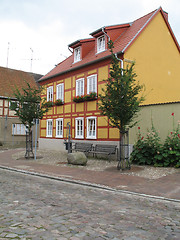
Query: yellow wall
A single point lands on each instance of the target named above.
(157, 62)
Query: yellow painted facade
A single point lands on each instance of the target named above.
(157, 62)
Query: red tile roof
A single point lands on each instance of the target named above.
(123, 36)
(11, 79)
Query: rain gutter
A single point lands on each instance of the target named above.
(8, 97)
(75, 68)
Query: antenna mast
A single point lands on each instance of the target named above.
(7, 54)
(31, 58)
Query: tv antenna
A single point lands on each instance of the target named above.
(8, 54)
(31, 58)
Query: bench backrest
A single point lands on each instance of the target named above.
(83, 146)
(106, 148)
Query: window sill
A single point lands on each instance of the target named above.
(91, 138)
(79, 137)
(101, 51)
(77, 61)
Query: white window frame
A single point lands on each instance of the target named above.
(77, 54)
(11, 102)
(92, 83)
(49, 132)
(80, 87)
(50, 93)
(79, 133)
(60, 91)
(89, 135)
(101, 46)
(18, 129)
(59, 132)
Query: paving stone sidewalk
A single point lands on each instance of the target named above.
(166, 186)
(36, 208)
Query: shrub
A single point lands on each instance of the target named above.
(150, 151)
(171, 150)
(146, 148)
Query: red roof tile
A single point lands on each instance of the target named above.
(11, 79)
(123, 36)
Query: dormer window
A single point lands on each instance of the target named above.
(101, 44)
(77, 54)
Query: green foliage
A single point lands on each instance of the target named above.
(27, 105)
(146, 148)
(150, 151)
(48, 104)
(59, 102)
(120, 99)
(88, 97)
(171, 150)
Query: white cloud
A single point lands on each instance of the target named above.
(48, 45)
(49, 26)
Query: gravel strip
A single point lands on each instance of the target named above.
(60, 159)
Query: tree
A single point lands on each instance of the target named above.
(120, 99)
(27, 107)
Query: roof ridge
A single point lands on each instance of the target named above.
(152, 14)
(147, 14)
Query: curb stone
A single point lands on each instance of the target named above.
(83, 183)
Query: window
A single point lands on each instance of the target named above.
(92, 84)
(91, 127)
(80, 87)
(60, 91)
(77, 54)
(59, 127)
(50, 94)
(18, 129)
(14, 104)
(79, 128)
(49, 128)
(101, 44)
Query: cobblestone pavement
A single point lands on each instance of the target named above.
(37, 208)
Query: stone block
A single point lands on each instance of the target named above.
(77, 158)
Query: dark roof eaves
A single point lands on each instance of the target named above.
(75, 68)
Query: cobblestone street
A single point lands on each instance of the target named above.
(38, 208)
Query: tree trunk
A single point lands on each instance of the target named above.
(123, 158)
(29, 146)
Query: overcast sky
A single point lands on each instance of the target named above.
(42, 29)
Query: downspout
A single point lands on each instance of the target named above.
(122, 65)
(103, 28)
(121, 61)
(106, 34)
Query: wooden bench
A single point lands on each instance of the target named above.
(104, 149)
(83, 147)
